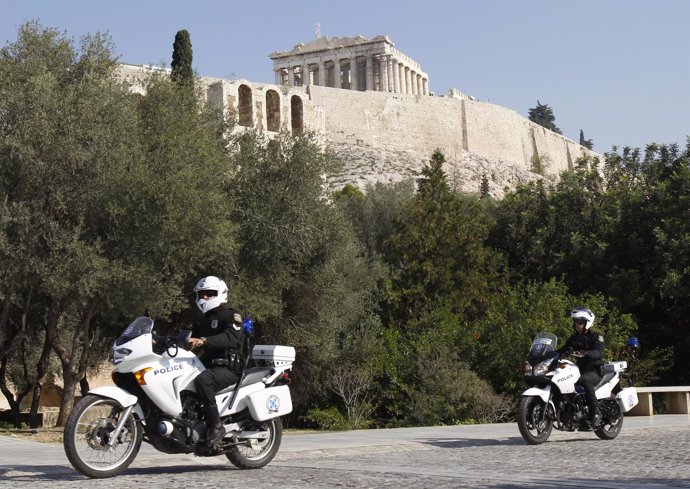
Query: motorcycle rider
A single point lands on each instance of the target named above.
(218, 328)
(588, 346)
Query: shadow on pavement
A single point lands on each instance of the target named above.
(472, 442)
(37, 473)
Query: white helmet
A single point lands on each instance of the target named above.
(582, 313)
(211, 292)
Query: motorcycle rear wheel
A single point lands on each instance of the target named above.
(256, 453)
(610, 428)
(533, 430)
(87, 433)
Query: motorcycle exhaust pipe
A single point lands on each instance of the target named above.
(165, 428)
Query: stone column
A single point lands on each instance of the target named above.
(353, 74)
(337, 76)
(279, 76)
(322, 74)
(291, 76)
(408, 84)
(395, 68)
(389, 73)
(305, 74)
(413, 81)
(425, 82)
(403, 86)
(383, 72)
(420, 88)
(370, 73)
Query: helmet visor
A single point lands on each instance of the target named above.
(206, 294)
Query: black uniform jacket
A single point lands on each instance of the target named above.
(223, 334)
(591, 344)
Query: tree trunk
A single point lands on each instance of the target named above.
(67, 400)
(74, 361)
(84, 386)
(14, 404)
(12, 339)
(41, 372)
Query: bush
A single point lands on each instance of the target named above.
(448, 392)
(329, 419)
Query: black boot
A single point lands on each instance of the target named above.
(215, 431)
(594, 418)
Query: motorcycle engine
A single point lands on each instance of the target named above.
(177, 434)
(573, 410)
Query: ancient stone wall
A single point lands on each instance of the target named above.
(395, 122)
(395, 134)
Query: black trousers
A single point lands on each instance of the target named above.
(211, 381)
(589, 380)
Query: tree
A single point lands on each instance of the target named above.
(542, 114)
(64, 122)
(103, 191)
(301, 273)
(373, 213)
(442, 275)
(484, 187)
(587, 143)
(182, 72)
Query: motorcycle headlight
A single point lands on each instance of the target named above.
(118, 356)
(540, 368)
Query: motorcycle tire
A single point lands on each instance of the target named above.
(610, 429)
(257, 453)
(86, 438)
(530, 411)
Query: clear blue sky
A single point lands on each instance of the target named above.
(618, 69)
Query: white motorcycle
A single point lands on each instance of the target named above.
(554, 399)
(154, 400)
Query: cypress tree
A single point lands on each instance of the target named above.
(182, 59)
(587, 143)
(542, 114)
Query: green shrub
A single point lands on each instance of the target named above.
(329, 419)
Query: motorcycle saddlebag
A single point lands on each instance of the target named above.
(627, 399)
(270, 403)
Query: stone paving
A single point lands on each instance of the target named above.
(455, 457)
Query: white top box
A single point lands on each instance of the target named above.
(276, 354)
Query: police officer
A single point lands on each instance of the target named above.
(588, 346)
(217, 329)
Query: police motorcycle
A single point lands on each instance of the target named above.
(154, 400)
(554, 400)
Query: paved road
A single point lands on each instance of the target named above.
(650, 453)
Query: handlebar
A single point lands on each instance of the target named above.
(571, 353)
(165, 343)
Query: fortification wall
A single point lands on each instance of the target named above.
(386, 121)
(388, 136)
(393, 122)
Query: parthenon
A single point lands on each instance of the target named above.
(352, 63)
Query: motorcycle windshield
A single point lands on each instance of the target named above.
(141, 325)
(543, 344)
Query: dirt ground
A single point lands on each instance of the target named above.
(50, 435)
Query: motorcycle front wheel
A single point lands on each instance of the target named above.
(259, 450)
(87, 436)
(533, 429)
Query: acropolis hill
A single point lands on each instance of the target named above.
(371, 103)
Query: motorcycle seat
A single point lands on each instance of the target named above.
(251, 376)
(607, 376)
(256, 374)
